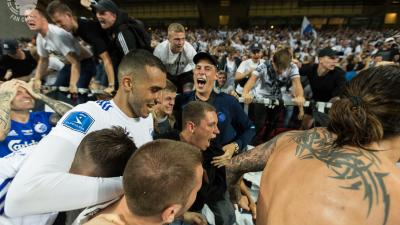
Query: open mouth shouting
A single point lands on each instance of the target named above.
(201, 82)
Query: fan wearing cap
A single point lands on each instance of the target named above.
(117, 24)
(388, 50)
(17, 63)
(236, 130)
(248, 66)
(326, 79)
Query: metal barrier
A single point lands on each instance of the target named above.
(271, 102)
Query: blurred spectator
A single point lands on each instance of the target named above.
(177, 55)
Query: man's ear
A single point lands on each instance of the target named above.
(190, 126)
(126, 82)
(169, 214)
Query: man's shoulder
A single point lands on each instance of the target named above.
(92, 211)
(226, 99)
(338, 71)
(57, 31)
(161, 46)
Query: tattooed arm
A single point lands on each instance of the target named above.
(58, 106)
(8, 91)
(249, 161)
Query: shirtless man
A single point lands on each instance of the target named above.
(343, 174)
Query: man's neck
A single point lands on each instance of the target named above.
(159, 114)
(45, 28)
(202, 96)
(255, 60)
(321, 71)
(121, 101)
(387, 148)
(74, 25)
(120, 207)
(20, 116)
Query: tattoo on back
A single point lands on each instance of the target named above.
(355, 165)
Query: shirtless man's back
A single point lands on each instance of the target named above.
(343, 174)
(307, 181)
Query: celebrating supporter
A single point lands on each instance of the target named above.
(19, 127)
(177, 55)
(236, 130)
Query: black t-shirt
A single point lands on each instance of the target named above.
(91, 32)
(324, 87)
(18, 67)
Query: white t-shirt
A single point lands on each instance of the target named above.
(57, 42)
(55, 65)
(182, 61)
(249, 64)
(44, 178)
(9, 166)
(246, 66)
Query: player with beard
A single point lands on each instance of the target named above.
(142, 77)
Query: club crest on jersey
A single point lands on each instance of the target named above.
(78, 121)
(40, 127)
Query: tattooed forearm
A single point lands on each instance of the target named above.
(359, 166)
(59, 107)
(249, 161)
(5, 110)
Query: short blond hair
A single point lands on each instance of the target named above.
(175, 27)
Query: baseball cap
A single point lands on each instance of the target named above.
(327, 52)
(106, 5)
(255, 47)
(204, 55)
(9, 46)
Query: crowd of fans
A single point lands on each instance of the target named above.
(201, 88)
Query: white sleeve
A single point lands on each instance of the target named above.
(43, 184)
(190, 53)
(242, 67)
(10, 164)
(42, 52)
(293, 71)
(157, 51)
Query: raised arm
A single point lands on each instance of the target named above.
(8, 91)
(75, 71)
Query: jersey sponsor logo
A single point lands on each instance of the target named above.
(16, 145)
(40, 127)
(105, 105)
(12, 133)
(78, 121)
(27, 132)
